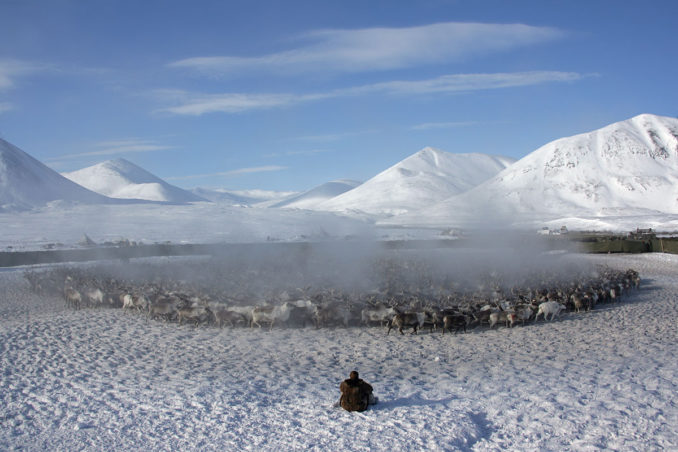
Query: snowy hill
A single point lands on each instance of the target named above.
(313, 197)
(424, 178)
(124, 180)
(626, 168)
(26, 183)
(242, 197)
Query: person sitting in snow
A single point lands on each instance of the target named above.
(356, 394)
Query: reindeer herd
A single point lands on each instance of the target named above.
(396, 302)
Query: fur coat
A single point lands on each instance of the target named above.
(355, 394)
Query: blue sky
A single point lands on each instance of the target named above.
(286, 95)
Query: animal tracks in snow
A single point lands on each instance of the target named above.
(102, 379)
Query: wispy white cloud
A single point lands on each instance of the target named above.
(372, 49)
(231, 173)
(451, 124)
(196, 104)
(117, 147)
(10, 70)
(468, 82)
(444, 125)
(324, 137)
(306, 152)
(333, 136)
(13, 70)
(256, 169)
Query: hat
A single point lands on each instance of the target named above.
(354, 375)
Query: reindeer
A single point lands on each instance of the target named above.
(270, 314)
(407, 319)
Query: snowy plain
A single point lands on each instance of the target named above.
(104, 379)
(65, 224)
(188, 223)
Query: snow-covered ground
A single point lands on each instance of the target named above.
(189, 223)
(65, 224)
(109, 380)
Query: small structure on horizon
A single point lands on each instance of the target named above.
(86, 241)
(642, 234)
(546, 231)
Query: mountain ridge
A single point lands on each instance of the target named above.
(426, 176)
(26, 183)
(317, 195)
(122, 179)
(628, 167)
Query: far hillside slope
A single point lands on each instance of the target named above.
(424, 178)
(123, 179)
(315, 196)
(626, 168)
(26, 183)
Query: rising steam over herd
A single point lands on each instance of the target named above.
(397, 290)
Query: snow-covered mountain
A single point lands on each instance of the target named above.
(122, 179)
(242, 197)
(626, 168)
(313, 197)
(26, 183)
(424, 178)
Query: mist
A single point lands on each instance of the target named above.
(356, 272)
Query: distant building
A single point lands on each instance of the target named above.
(642, 234)
(546, 231)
